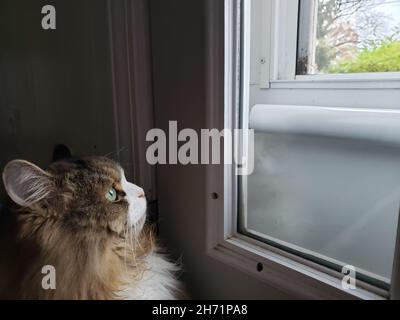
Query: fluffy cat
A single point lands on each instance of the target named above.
(87, 221)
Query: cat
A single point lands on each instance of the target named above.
(85, 220)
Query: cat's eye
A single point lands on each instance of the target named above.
(111, 195)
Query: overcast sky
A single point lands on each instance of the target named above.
(391, 8)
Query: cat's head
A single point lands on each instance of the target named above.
(88, 196)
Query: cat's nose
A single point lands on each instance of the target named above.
(141, 194)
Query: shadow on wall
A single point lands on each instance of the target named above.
(55, 85)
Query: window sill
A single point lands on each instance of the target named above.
(288, 273)
(353, 81)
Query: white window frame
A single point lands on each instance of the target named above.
(274, 56)
(282, 270)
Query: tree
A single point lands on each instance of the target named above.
(382, 58)
(337, 36)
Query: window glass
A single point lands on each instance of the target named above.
(348, 36)
(328, 195)
(334, 201)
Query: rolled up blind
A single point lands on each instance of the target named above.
(378, 125)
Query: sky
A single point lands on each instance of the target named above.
(391, 8)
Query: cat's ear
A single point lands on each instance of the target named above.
(61, 152)
(26, 183)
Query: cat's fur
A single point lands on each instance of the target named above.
(61, 217)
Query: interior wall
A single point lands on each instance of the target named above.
(178, 41)
(55, 85)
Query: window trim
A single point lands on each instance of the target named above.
(319, 82)
(282, 270)
(274, 60)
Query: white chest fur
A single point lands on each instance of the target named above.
(157, 283)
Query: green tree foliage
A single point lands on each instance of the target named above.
(384, 57)
(330, 14)
(342, 48)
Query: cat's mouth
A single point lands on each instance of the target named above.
(136, 200)
(137, 212)
(134, 223)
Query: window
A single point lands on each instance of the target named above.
(325, 192)
(348, 36)
(324, 188)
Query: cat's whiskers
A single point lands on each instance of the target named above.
(125, 247)
(132, 243)
(116, 152)
(138, 242)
